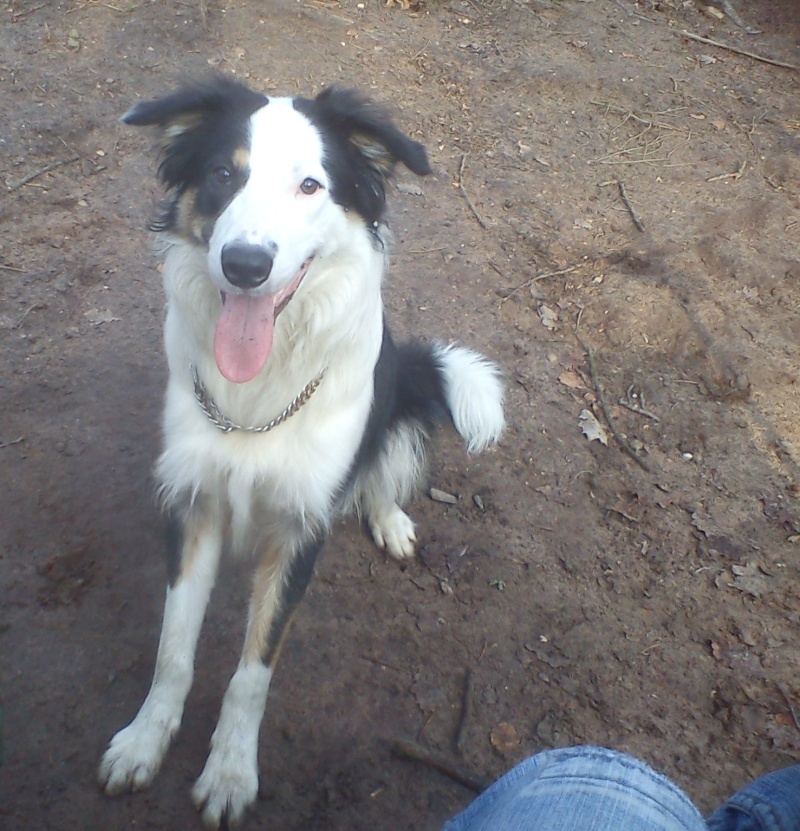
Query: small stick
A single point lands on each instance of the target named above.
(638, 410)
(36, 173)
(607, 412)
(466, 698)
(735, 175)
(790, 706)
(636, 221)
(19, 15)
(4, 445)
(532, 280)
(466, 195)
(734, 16)
(736, 50)
(408, 750)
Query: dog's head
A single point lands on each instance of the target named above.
(263, 184)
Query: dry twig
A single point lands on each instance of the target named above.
(734, 16)
(790, 706)
(638, 410)
(409, 750)
(466, 195)
(737, 174)
(36, 173)
(636, 221)
(466, 701)
(532, 280)
(735, 49)
(607, 411)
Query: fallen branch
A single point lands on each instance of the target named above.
(636, 221)
(36, 173)
(607, 411)
(409, 750)
(464, 193)
(735, 49)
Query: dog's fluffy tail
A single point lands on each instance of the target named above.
(440, 383)
(474, 395)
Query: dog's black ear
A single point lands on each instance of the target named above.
(215, 111)
(193, 104)
(370, 130)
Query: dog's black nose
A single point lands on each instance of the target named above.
(247, 266)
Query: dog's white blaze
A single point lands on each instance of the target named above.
(299, 466)
(270, 210)
(229, 781)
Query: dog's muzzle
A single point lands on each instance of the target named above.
(247, 266)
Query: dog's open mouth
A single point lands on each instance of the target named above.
(246, 327)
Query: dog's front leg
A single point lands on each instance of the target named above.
(229, 782)
(135, 753)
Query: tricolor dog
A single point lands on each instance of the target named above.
(288, 403)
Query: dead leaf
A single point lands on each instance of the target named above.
(405, 5)
(592, 428)
(504, 737)
(750, 580)
(571, 379)
(548, 317)
(410, 188)
(96, 317)
(711, 11)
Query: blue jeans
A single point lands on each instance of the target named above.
(594, 789)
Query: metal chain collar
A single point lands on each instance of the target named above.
(223, 423)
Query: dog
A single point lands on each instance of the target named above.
(288, 403)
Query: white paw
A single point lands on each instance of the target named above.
(227, 787)
(394, 531)
(135, 753)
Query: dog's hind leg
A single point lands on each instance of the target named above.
(228, 784)
(135, 753)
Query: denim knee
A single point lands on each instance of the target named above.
(580, 789)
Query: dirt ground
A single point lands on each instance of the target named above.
(639, 592)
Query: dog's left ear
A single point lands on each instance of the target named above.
(371, 131)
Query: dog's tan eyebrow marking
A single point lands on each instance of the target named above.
(241, 158)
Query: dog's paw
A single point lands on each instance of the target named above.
(394, 531)
(135, 754)
(226, 788)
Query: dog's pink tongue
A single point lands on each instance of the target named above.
(243, 338)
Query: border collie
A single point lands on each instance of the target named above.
(288, 403)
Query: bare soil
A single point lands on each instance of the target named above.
(573, 593)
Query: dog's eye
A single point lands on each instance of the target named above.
(310, 186)
(222, 175)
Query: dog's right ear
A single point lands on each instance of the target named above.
(193, 104)
(206, 107)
